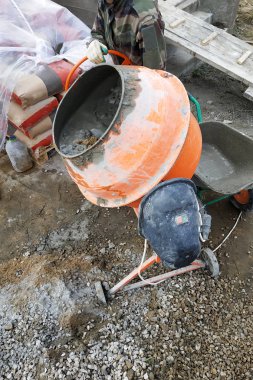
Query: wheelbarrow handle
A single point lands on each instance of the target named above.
(126, 62)
(198, 107)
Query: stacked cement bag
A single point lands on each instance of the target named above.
(34, 102)
(39, 43)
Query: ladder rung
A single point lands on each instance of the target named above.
(210, 38)
(244, 57)
(176, 23)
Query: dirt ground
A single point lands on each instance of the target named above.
(244, 22)
(48, 227)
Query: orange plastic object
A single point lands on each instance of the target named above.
(243, 197)
(126, 62)
(153, 138)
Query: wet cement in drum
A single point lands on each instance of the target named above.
(88, 124)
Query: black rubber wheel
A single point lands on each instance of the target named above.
(211, 262)
(243, 207)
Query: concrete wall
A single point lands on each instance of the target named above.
(84, 9)
(224, 11)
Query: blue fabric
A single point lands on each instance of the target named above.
(169, 220)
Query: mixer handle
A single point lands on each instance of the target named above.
(126, 62)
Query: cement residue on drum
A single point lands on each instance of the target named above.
(89, 123)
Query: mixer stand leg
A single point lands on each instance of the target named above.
(153, 259)
(153, 280)
(123, 284)
(103, 293)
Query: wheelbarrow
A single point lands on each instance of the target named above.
(128, 138)
(226, 164)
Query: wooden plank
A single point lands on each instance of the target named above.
(180, 62)
(248, 94)
(171, 13)
(187, 5)
(173, 3)
(222, 52)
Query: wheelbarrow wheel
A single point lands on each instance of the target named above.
(211, 262)
(243, 201)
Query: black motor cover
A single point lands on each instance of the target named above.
(169, 219)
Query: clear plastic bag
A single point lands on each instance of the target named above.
(34, 32)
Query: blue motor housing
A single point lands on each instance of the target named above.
(170, 220)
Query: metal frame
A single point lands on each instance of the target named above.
(197, 264)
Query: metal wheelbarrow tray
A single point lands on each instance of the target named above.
(226, 164)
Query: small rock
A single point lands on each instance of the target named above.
(40, 248)
(219, 322)
(130, 374)
(111, 245)
(128, 364)
(43, 376)
(170, 359)
(9, 326)
(198, 347)
(213, 371)
(104, 370)
(19, 272)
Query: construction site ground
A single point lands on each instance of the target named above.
(55, 245)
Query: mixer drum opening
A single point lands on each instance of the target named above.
(88, 110)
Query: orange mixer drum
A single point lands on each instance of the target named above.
(124, 129)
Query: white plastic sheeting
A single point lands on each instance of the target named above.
(34, 32)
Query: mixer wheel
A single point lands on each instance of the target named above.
(211, 262)
(243, 201)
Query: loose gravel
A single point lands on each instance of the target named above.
(191, 327)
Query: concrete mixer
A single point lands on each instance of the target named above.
(128, 138)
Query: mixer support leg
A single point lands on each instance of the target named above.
(195, 265)
(153, 259)
(102, 295)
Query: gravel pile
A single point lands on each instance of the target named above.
(189, 328)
